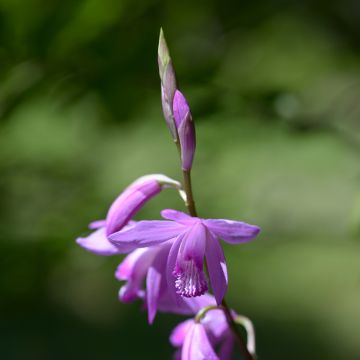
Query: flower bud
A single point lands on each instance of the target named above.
(186, 129)
(168, 84)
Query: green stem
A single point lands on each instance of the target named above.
(190, 204)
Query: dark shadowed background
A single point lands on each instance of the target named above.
(274, 88)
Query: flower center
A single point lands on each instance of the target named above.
(190, 281)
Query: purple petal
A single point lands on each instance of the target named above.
(216, 325)
(156, 273)
(187, 139)
(177, 216)
(97, 224)
(197, 345)
(98, 243)
(146, 233)
(180, 108)
(129, 203)
(170, 266)
(178, 335)
(217, 267)
(186, 129)
(199, 302)
(231, 231)
(133, 270)
(153, 282)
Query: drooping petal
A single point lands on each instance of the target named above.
(177, 216)
(129, 203)
(197, 345)
(153, 281)
(170, 266)
(216, 267)
(133, 269)
(178, 334)
(232, 231)
(155, 276)
(146, 233)
(98, 243)
(190, 278)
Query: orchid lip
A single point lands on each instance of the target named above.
(190, 280)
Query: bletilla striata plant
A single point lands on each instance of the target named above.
(172, 264)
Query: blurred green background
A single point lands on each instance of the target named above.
(274, 88)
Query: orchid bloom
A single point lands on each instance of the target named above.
(190, 239)
(148, 265)
(198, 340)
(127, 204)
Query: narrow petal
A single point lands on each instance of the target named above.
(177, 216)
(98, 243)
(97, 224)
(133, 269)
(197, 345)
(146, 233)
(217, 267)
(153, 281)
(129, 203)
(170, 266)
(178, 335)
(156, 273)
(231, 231)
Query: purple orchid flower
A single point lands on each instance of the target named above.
(197, 340)
(149, 265)
(127, 204)
(190, 240)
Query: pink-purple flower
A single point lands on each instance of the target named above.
(125, 206)
(190, 240)
(197, 340)
(147, 266)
